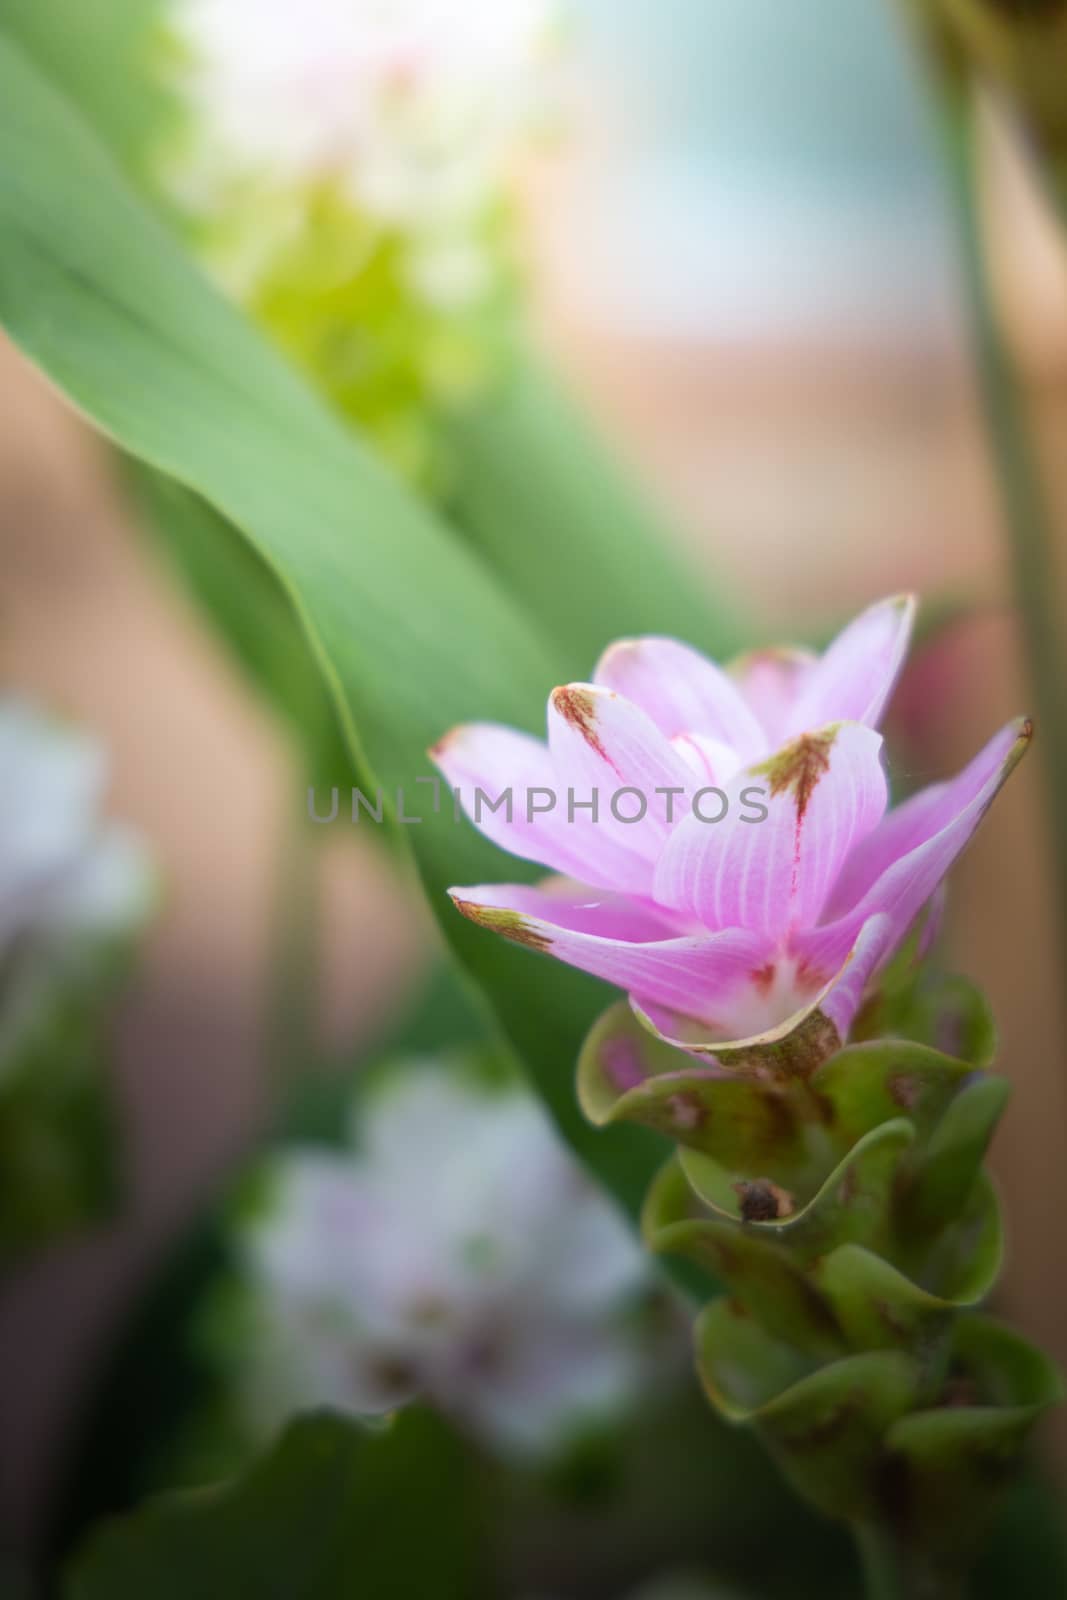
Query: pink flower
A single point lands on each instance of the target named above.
(741, 876)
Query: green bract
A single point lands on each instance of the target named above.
(846, 1213)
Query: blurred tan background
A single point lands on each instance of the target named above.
(812, 464)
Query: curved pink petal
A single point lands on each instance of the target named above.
(682, 691)
(770, 683)
(486, 764)
(603, 744)
(854, 678)
(788, 1002)
(843, 996)
(822, 794)
(933, 921)
(712, 761)
(900, 866)
(621, 943)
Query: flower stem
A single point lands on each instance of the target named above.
(883, 1575)
(1028, 515)
(890, 1572)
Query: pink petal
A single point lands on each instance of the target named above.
(770, 682)
(899, 867)
(789, 1011)
(933, 921)
(682, 691)
(844, 994)
(823, 794)
(620, 942)
(483, 759)
(711, 760)
(855, 677)
(601, 743)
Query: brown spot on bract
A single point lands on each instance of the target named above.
(795, 1056)
(763, 1201)
(797, 768)
(818, 1434)
(726, 1256)
(961, 1390)
(904, 1090)
(578, 706)
(897, 1323)
(509, 924)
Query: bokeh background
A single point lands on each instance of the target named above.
(737, 250)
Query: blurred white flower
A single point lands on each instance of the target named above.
(459, 1255)
(412, 104)
(69, 882)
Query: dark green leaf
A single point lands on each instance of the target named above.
(331, 1513)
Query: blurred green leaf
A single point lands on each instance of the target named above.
(561, 523)
(252, 613)
(528, 482)
(59, 1138)
(1019, 48)
(103, 54)
(411, 633)
(331, 1512)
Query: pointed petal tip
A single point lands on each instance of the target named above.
(446, 742)
(1023, 730)
(498, 919)
(578, 705)
(584, 696)
(906, 602)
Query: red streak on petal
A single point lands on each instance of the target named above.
(810, 978)
(797, 769)
(763, 977)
